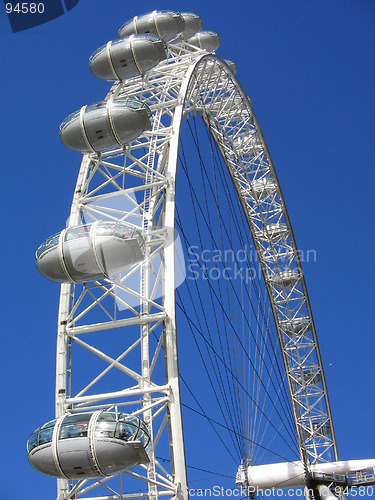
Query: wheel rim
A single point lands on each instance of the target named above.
(191, 81)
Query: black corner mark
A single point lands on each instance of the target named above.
(26, 15)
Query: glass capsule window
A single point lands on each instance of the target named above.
(170, 13)
(105, 430)
(105, 228)
(113, 425)
(122, 230)
(132, 103)
(127, 23)
(41, 248)
(139, 36)
(115, 42)
(48, 243)
(143, 434)
(149, 112)
(129, 102)
(142, 431)
(129, 419)
(97, 51)
(75, 425)
(141, 241)
(70, 118)
(41, 435)
(107, 417)
(151, 36)
(95, 105)
(122, 426)
(125, 431)
(32, 442)
(45, 434)
(119, 229)
(77, 232)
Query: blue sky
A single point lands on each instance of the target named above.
(309, 69)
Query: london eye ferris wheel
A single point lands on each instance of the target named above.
(182, 289)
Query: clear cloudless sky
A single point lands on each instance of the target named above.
(309, 68)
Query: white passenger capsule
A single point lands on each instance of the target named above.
(296, 326)
(90, 444)
(128, 57)
(88, 252)
(263, 186)
(232, 65)
(105, 125)
(319, 429)
(207, 40)
(285, 279)
(273, 232)
(308, 376)
(165, 23)
(192, 24)
(249, 144)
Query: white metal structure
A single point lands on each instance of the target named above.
(129, 323)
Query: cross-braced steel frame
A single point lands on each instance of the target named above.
(135, 312)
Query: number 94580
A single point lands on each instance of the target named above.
(25, 8)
